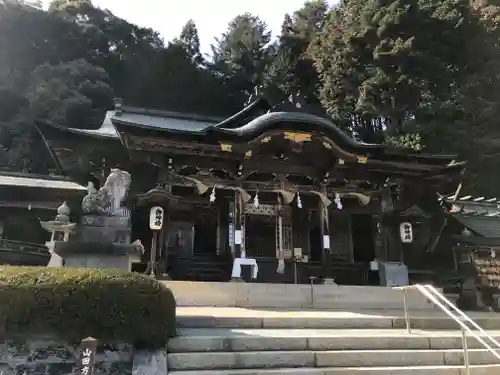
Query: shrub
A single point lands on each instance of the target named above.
(110, 305)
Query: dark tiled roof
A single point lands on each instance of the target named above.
(474, 206)
(38, 181)
(479, 214)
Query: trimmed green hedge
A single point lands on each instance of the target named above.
(110, 305)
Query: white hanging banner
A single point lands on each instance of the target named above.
(238, 237)
(406, 232)
(156, 216)
(326, 241)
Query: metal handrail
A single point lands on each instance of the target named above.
(435, 296)
(462, 314)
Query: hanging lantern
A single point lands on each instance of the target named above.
(156, 215)
(299, 201)
(256, 199)
(338, 201)
(212, 195)
(406, 232)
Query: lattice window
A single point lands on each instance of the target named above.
(262, 209)
(287, 240)
(284, 235)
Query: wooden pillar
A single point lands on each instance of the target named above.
(300, 229)
(238, 227)
(325, 241)
(279, 237)
(379, 239)
(225, 224)
(163, 248)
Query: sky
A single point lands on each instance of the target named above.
(211, 16)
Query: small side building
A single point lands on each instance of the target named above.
(476, 222)
(25, 199)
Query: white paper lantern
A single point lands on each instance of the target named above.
(156, 216)
(406, 232)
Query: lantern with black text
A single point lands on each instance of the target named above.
(156, 218)
(406, 232)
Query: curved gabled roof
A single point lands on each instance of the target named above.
(254, 109)
(301, 121)
(256, 118)
(254, 121)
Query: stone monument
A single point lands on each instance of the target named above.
(102, 239)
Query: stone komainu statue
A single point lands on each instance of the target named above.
(108, 199)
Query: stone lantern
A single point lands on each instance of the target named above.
(61, 229)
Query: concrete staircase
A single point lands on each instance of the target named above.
(253, 340)
(241, 341)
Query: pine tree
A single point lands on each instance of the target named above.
(292, 70)
(242, 54)
(190, 41)
(382, 62)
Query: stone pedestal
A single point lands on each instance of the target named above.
(105, 229)
(98, 255)
(101, 242)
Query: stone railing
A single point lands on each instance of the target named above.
(23, 253)
(19, 246)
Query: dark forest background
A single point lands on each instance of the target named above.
(420, 75)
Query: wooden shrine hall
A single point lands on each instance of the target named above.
(279, 185)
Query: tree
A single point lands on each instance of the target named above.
(382, 62)
(73, 94)
(292, 70)
(175, 83)
(118, 46)
(242, 55)
(466, 123)
(190, 41)
(39, 38)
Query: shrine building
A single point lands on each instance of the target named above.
(280, 185)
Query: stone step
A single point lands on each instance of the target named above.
(210, 317)
(224, 340)
(292, 296)
(427, 370)
(333, 358)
